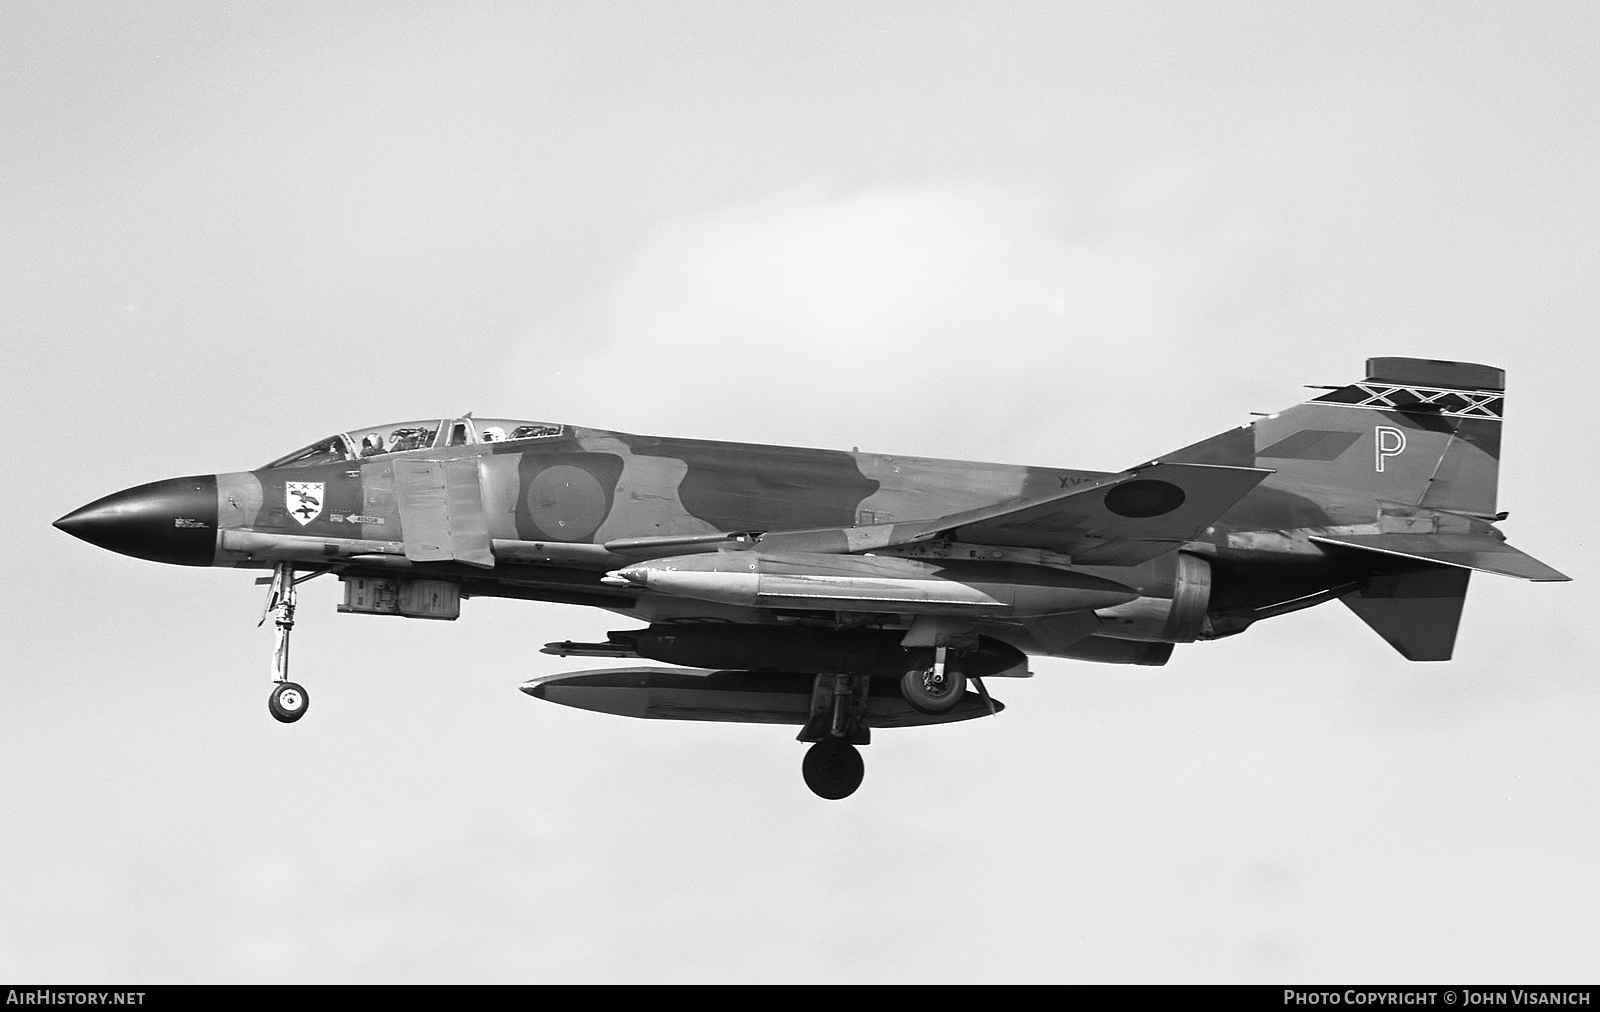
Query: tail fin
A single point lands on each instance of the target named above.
(1414, 433)
(1401, 469)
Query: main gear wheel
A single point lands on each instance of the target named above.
(933, 690)
(833, 769)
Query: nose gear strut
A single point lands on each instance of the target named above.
(289, 700)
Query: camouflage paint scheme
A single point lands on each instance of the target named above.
(1368, 485)
(843, 592)
(562, 498)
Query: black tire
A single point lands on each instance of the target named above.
(925, 691)
(289, 702)
(833, 769)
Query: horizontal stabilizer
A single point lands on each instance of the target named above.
(1467, 551)
(752, 697)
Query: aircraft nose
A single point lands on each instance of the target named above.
(165, 521)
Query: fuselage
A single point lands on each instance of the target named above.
(545, 516)
(591, 486)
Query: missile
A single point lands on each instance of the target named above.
(815, 582)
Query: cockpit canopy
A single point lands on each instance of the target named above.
(397, 437)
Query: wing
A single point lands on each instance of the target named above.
(1121, 520)
(1138, 515)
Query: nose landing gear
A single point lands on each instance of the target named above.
(289, 700)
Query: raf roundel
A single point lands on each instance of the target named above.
(1143, 498)
(566, 502)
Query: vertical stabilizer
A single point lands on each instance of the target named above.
(1413, 433)
(1402, 468)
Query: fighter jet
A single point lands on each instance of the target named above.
(843, 592)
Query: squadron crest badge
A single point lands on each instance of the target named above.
(303, 499)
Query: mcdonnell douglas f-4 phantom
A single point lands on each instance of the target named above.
(843, 592)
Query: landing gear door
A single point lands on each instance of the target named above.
(441, 511)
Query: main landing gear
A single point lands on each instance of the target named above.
(288, 701)
(935, 689)
(833, 768)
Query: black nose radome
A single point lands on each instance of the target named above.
(165, 521)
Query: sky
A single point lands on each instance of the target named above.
(1070, 235)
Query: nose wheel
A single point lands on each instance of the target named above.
(289, 700)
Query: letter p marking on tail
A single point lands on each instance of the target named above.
(1388, 442)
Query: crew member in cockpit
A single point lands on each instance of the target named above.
(371, 444)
